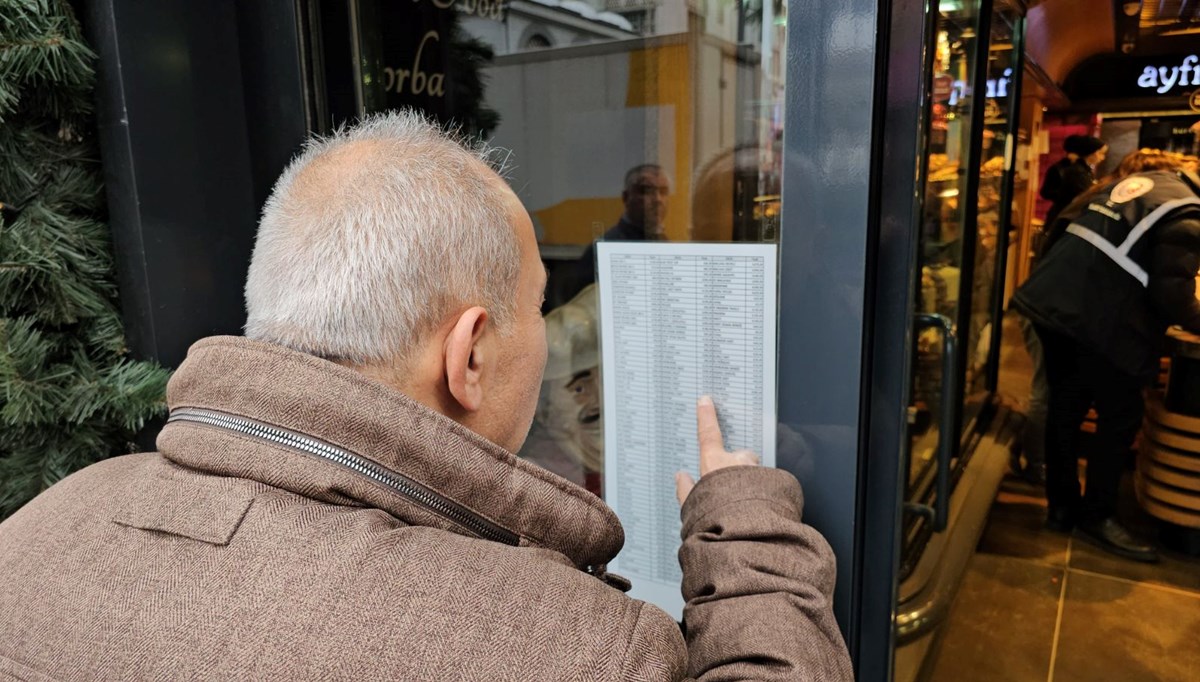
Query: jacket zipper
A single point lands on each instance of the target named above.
(392, 480)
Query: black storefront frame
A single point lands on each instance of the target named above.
(200, 106)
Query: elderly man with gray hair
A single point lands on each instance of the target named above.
(335, 497)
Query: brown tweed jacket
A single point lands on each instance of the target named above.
(302, 522)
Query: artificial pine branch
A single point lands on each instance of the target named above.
(69, 394)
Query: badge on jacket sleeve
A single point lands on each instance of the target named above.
(1131, 188)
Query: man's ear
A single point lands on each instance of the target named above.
(466, 358)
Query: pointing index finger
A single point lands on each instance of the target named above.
(707, 429)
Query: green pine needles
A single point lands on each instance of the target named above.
(69, 395)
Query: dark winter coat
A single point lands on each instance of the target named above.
(302, 522)
(583, 271)
(1124, 271)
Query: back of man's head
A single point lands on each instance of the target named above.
(373, 235)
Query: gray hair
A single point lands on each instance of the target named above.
(374, 235)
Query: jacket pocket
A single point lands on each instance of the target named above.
(204, 508)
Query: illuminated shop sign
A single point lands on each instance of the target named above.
(1163, 78)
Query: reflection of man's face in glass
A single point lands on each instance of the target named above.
(584, 390)
(570, 410)
(646, 201)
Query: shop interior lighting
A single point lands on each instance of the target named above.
(1132, 9)
(946, 194)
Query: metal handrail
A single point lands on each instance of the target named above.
(938, 512)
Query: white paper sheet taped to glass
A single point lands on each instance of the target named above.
(678, 321)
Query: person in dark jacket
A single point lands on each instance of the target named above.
(1034, 438)
(645, 193)
(1073, 174)
(1101, 301)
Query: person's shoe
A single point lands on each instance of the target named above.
(1060, 519)
(1114, 538)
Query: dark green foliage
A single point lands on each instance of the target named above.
(69, 396)
(468, 57)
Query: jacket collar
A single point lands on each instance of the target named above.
(301, 393)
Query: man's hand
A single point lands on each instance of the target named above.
(713, 455)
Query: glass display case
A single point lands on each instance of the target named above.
(946, 243)
(964, 210)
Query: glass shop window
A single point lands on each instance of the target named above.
(625, 119)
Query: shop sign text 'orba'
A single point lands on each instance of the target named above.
(414, 80)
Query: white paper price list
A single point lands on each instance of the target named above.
(679, 321)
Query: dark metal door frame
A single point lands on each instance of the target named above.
(849, 233)
(898, 170)
(901, 166)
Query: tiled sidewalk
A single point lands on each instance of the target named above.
(1037, 605)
